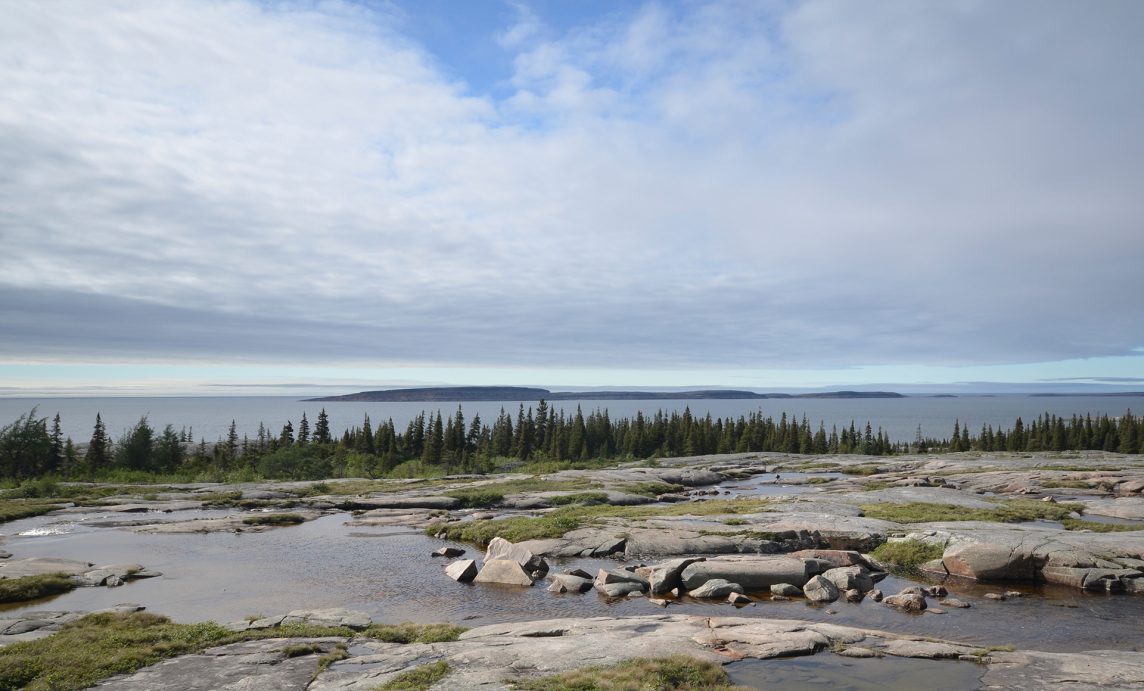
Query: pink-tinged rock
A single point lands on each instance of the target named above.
(983, 561)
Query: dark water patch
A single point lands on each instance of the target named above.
(837, 673)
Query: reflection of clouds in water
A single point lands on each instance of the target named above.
(58, 529)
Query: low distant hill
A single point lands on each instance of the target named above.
(462, 394)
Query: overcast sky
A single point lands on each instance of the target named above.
(199, 194)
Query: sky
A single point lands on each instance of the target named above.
(229, 196)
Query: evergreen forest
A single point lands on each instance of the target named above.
(539, 440)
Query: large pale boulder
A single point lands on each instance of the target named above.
(499, 548)
(819, 589)
(850, 578)
(504, 571)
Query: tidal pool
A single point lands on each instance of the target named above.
(389, 573)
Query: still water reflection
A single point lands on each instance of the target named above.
(388, 573)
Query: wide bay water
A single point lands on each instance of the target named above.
(210, 417)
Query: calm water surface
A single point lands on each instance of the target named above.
(210, 417)
(388, 573)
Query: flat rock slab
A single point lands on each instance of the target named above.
(337, 616)
(495, 656)
(261, 665)
(38, 566)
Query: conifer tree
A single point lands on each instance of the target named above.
(304, 431)
(99, 448)
(322, 430)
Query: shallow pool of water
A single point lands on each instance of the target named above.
(389, 573)
(838, 673)
(778, 484)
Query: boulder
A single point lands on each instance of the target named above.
(819, 589)
(614, 576)
(850, 578)
(753, 573)
(853, 595)
(505, 571)
(738, 599)
(462, 571)
(987, 561)
(619, 589)
(786, 590)
(449, 552)
(567, 583)
(955, 603)
(714, 588)
(663, 577)
(499, 548)
(907, 601)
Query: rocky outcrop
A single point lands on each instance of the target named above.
(992, 552)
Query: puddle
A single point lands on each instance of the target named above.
(837, 673)
(779, 484)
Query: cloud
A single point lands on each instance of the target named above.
(731, 184)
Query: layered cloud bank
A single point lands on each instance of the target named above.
(681, 185)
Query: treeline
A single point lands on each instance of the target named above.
(435, 444)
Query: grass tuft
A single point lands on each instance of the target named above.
(908, 554)
(34, 587)
(674, 672)
(1008, 511)
(273, 519)
(414, 633)
(419, 678)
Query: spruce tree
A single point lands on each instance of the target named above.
(99, 448)
(322, 430)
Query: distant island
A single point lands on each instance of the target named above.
(465, 394)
